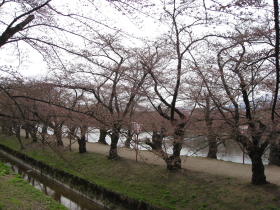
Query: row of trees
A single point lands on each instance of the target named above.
(218, 59)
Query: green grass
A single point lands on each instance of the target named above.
(154, 184)
(16, 193)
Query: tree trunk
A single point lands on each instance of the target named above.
(258, 176)
(26, 131)
(58, 135)
(113, 153)
(19, 137)
(174, 161)
(211, 137)
(82, 140)
(274, 154)
(4, 129)
(213, 147)
(102, 136)
(26, 134)
(82, 144)
(156, 145)
(128, 139)
(33, 132)
(71, 133)
(44, 133)
(10, 131)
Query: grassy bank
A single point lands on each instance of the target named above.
(16, 193)
(154, 184)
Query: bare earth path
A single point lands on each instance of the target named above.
(200, 164)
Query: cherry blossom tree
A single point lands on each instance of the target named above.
(173, 48)
(241, 71)
(111, 76)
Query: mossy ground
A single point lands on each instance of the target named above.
(154, 184)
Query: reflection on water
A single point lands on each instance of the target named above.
(228, 151)
(64, 196)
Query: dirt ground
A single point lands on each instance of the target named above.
(200, 164)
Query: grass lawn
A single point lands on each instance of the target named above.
(154, 184)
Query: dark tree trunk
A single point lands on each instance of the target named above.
(278, 151)
(173, 162)
(72, 131)
(82, 140)
(19, 137)
(44, 133)
(212, 138)
(156, 145)
(72, 135)
(129, 131)
(277, 64)
(33, 132)
(26, 134)
(213, 147)
(4, 129)
(102, 136)
(274, 153)
(82, 144)
(58, 135)
(255, 150)
(113, 153)
(10, 131)
(128, 139)
(258, 176)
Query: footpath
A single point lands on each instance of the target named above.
(200, 164)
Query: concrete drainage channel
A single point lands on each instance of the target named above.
(97, 197)
(56, 191)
